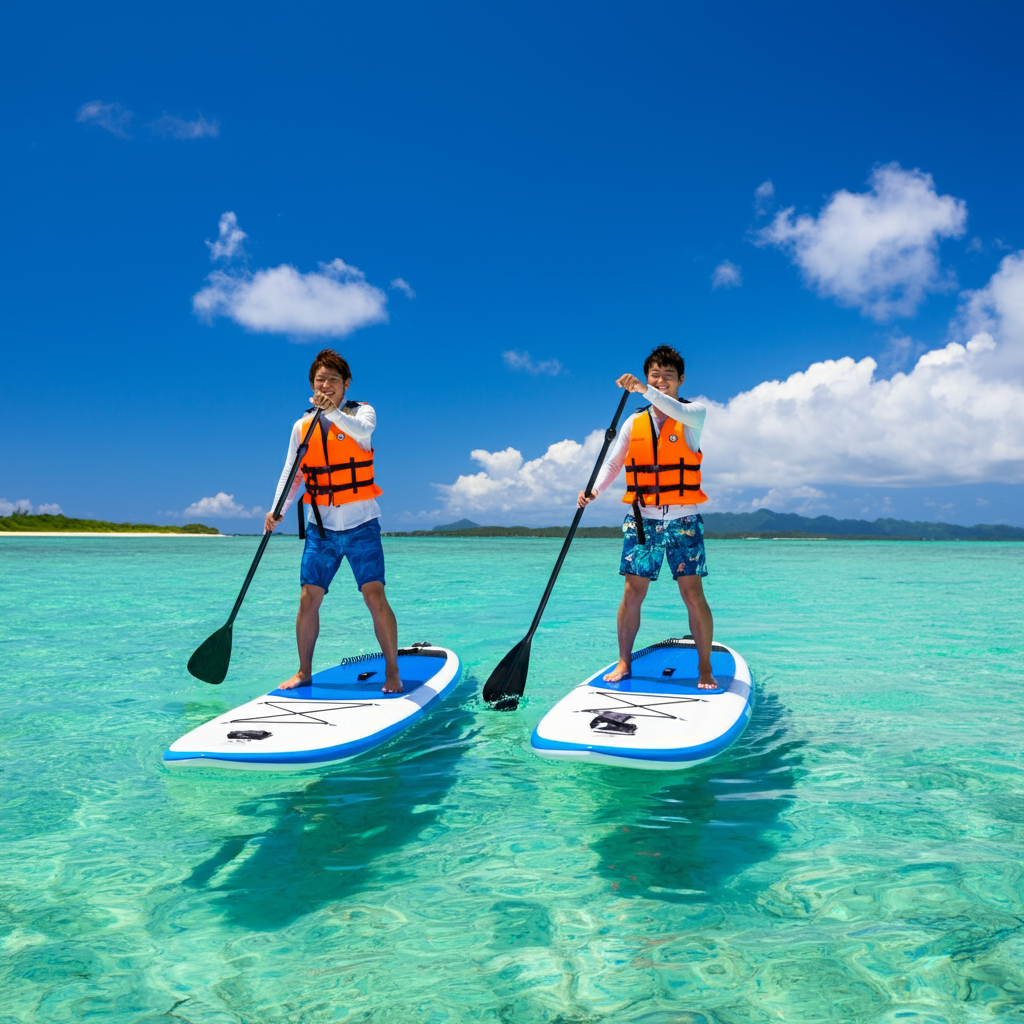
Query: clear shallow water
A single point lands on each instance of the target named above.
(855, 857)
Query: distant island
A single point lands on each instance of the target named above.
(19, 522)
(764, 524)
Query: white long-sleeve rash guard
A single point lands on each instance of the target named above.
(690, 414)
(359, 427)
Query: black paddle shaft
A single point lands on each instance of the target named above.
(609, 436)
(506, 683)
(299, 455)
(210, 660)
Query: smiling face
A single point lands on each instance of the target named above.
(665, 378)
(328, 382)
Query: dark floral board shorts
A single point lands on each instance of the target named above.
(682, 540)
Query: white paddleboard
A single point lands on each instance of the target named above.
(339, 715)
(656, 718)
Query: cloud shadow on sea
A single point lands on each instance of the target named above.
(342, 832)
(683, 841)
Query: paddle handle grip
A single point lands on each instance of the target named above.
(609, 436)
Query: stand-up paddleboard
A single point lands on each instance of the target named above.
(656, 717)
(339, 714)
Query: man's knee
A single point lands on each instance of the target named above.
(635, 589)
(310, 598)
(374, 596)
(692, 590)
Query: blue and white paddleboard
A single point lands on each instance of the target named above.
(656, 718)
(340, 714)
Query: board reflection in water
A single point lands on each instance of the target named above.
(690, 837)
(342, 832)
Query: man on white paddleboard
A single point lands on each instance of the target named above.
(343, 514)
(660, 448)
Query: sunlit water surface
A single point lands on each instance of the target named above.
(856, 856)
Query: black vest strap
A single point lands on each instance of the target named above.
(645, 489)
(336, 467)
(639, 521)
(319, 520)
(354, 486)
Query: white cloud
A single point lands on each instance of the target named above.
(507, 483)
(221, 505)
(229, 238)
(874, 250)
(957, 417)
(330, 303)
(726, 275)
(899, 349)
(806, 500)
(946, 421)
(24, 505)
(176, 128)
(515, 360)
(764, 197)
(996, 312)
(404, 287)
(421, 518)
(112, 117)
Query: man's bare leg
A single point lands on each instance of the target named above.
(307, 629)
(628, 624)
(386, 629)
(702, 626)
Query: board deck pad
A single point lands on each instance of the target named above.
(337, 716)
(676, 724)
(649, 676)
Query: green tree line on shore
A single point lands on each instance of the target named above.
(22, 522)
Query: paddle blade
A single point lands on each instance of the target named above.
(212, 657)
(507, 682)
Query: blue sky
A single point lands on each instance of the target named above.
(526, 198)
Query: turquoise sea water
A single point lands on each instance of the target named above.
(856, 856)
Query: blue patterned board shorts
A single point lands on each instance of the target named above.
(321, 559)
(681, 539)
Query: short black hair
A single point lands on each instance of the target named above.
(665, 355)
(330, 360)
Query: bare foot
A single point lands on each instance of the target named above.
(618, 673)
(392, 684)
(299, 679)
(707, 682)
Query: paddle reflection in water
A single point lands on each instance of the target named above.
(689, 838)
(344, 831)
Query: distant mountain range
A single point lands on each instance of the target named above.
(762, 523)
(462, 524)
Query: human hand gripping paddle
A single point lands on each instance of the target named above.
(507, 682)
(209, 661)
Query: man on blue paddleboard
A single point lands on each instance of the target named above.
(660, 447)
(342, 519)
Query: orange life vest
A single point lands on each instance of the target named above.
(666, 474)
(337, 470)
